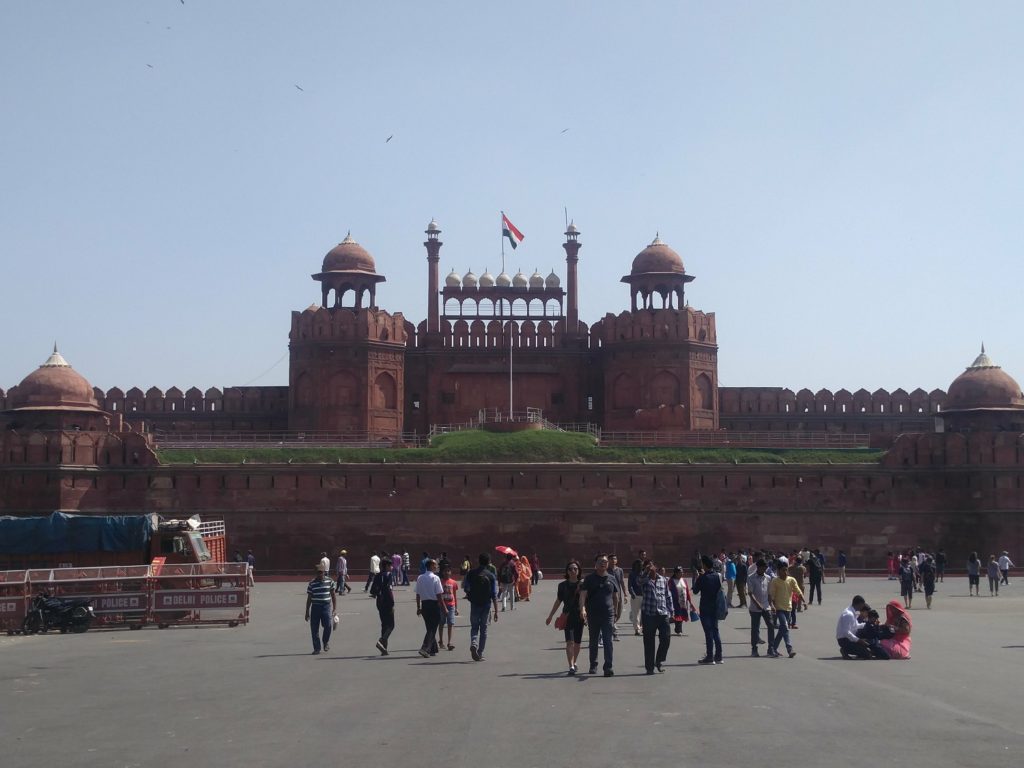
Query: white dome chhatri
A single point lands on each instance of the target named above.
(486, 279)
(469, 280)
(553, 280)
(536, 280)
(520, 281)
(503, 280)
(453, 280)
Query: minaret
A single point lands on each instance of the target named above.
(433, 246)
(572, 249)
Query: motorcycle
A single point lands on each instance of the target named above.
(66, 614)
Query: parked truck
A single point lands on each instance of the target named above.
(64, 540)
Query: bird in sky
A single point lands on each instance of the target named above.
(150, 66)
(389, 138)
(564, 130)
(300, 88)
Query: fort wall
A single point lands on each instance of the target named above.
(952, 491)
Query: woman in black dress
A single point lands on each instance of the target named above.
(569, 599)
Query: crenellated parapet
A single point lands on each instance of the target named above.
(654, 325)
(771, 401)
(136, 404)
(330, 324)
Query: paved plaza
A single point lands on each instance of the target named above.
(254, 696)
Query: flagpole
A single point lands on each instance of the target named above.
(503, 241)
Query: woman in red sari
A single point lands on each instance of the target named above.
(896, 616)
(523, 586)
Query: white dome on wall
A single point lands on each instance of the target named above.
(453, 280)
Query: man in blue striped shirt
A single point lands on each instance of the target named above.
(321, 605)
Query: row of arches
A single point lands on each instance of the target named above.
(742, 401)
(471, 307)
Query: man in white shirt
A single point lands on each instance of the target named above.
(850, 621)
(325, 562)
(759, 607)
(1005, 564)
(374, 570)
(429, 604)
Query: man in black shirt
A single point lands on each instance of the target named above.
(600, 601)
(742, 572)
(816, 576)
(481, 588)
(380, 588)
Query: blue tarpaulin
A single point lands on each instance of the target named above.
(61, 532)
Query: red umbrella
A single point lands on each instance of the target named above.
(506, 550)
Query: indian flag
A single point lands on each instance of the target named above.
(508, 229)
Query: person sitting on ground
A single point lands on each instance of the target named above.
(874, 633)
(896, 616)
(850, 622)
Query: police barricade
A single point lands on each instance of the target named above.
(136, 595)
(120, 594)
(199, 593)
(13, 600)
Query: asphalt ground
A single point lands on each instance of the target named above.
(254, 696)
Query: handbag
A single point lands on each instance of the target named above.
(694, 616)
(562, 621)
(721, 606)
(336, 621)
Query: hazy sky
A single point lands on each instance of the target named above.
(844, 179)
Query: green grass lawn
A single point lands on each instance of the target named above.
(518, 447)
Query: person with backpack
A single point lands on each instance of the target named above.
(381, 590)
(508, 575)
(709, 587)
(481, 590)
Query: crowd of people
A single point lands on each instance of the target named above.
(773, 587)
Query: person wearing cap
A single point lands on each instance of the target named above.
(321, 605)
(343, 585)
(1005, 564)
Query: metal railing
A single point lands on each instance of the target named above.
(295, 439)
(724, 439)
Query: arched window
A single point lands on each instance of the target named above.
(705, 399)
(385, 392)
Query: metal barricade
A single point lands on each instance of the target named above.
(13, 600)
(200, 593)
(136, 595)
(119, 593)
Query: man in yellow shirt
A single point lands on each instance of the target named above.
(780, 596)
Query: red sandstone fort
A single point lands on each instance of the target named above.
(495, 345)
